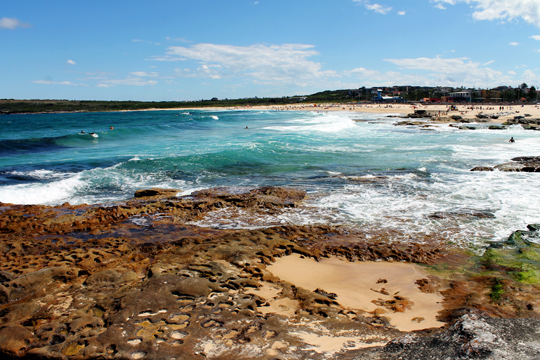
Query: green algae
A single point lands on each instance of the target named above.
(497, 290)
(517, 257)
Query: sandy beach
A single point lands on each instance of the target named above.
(466, 111)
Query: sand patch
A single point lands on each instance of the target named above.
(333, 344)
(375, 287)
(269, 292)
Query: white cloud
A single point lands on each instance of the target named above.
(528, 10)
(529, 76)
(12, 23)
(378, 8)
(204, 71)
(401, 12)
(536, 37)
(434, 72)
(286, 63)
(146, 41)
(143, 73)
(512, 72)
(50, 82)
(130, 80)
(363, 73)
(71, 62)
(440, 6)
(513, 43)
(381, 9)
(177, 39)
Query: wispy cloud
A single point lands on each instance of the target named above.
(50, 82)
(143, 73)
(381, 9)
(378, 8)
(453, 71)
(175, 39)
(129, 81)
(71, 62)
(278, 64)
(513, 43)
(528, 10)
(433, 72)
(401, 12)
(146, 41)
(12, 23)
(535, 37)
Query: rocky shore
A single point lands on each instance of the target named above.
(518, 164)
(139, 280)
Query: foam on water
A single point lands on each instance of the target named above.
(56, 192)
(368, 174)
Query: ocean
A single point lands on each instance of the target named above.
(386, 181)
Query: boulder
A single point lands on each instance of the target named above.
(482, 168)
(156, 192)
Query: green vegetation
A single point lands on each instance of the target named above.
(363, 94)
(497, 290)
(517, 257)
(45, 106)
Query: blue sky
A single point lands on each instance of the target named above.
(190, 50)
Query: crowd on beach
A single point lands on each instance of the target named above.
(464, 110)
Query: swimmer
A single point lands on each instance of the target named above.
(112, 128)
(511, 140)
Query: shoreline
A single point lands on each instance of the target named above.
(465, 111)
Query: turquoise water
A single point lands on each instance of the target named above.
(369, 174)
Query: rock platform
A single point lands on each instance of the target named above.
(139, 280)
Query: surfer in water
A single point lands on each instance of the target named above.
(511, 140)
(82, 132)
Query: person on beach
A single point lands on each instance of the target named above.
(511, 140)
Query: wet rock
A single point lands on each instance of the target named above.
(156, 192)
(519, 164)
(409, 123)
(463, 213)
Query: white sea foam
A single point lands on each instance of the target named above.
(56, 192)
(40, 174)
(327, 123)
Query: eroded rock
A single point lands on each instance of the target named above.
(137, 279)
